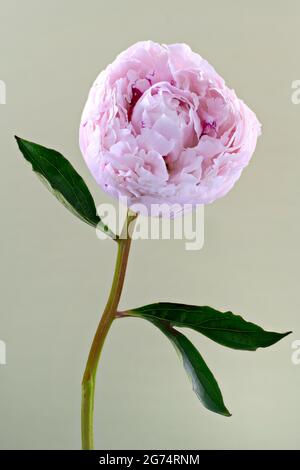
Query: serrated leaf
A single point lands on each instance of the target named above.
(204, 383)
(63, 181)
(225, 328)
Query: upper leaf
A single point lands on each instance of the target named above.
(204, 383)
(225, 328)
(63, 181)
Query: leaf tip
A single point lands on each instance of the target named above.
(283, 335)
(223, 411)
(19, 141)
(274, 338)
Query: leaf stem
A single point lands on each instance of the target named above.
(89, 377)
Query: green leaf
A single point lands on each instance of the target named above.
(204, 383)
(63, 181)
(225, 328)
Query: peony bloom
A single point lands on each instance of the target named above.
(161, 127)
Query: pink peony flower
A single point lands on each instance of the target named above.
(161, 127)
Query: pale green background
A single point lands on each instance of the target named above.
(55, 274)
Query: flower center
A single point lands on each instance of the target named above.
(166, 120)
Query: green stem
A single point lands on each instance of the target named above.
(89, 377)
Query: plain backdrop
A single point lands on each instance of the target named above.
(55, 273)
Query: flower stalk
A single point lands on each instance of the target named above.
(109, 314)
